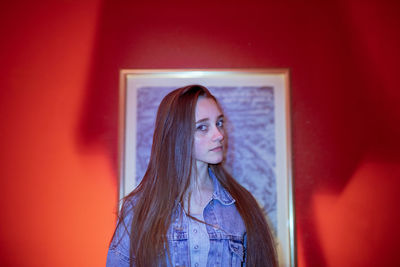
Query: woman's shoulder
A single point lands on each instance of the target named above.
(130, 202)
(118, 253)
(125, 217)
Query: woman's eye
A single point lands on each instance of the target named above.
(220, 123)
(202, 128)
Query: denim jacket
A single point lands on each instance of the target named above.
(225, 228)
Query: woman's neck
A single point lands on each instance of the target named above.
(200, 190)
(200, 177)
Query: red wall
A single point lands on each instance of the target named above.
(58, 102)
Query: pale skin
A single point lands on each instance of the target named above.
(208, 149)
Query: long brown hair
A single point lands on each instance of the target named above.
(167, 179)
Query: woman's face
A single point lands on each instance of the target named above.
(209, 133)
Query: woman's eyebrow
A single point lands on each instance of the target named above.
(203, 120)
(207, 119)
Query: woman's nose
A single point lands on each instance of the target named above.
(218, 134)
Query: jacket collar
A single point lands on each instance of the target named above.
(220, 193)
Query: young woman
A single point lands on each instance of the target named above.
(188, 211)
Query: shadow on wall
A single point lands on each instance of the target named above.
(344, 94)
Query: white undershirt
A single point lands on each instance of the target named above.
(199, 242)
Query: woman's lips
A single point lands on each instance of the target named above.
(217, 149)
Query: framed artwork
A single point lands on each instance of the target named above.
(256, 105)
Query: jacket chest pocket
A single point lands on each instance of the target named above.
(178, 248)
(236, 250)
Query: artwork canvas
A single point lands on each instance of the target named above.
(256, 108)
